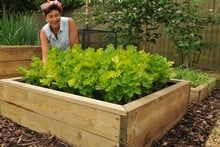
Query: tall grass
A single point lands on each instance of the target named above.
(195, 76)
(18, 29)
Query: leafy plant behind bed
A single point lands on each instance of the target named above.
(116, 75)
(195, 76)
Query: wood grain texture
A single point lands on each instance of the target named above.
(41, 123)
(200, 92)
(11, 57)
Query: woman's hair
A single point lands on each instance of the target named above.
(51, 5)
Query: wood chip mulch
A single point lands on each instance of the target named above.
(196, 129)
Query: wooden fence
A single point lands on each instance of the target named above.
(210, 58)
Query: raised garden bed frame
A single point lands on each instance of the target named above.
(85, 122)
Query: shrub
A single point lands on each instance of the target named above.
(116, 75)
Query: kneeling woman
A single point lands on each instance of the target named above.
(59, 31)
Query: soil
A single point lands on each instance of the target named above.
(193, 130)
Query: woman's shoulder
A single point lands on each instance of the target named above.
(46, 27)
(67, 18)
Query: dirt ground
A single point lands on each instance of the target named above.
(199, 127)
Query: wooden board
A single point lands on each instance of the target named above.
(10, 67)
(11, 57)
(41, 123)
(17, 53)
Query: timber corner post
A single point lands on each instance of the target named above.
(1, 95)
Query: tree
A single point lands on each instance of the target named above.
(133, 21)
(138, 21)
(16, 6)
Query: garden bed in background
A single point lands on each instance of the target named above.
(202, 91)
(202, 83)
(11, 57)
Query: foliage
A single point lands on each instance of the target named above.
(137, 22)
(67, 4)
(18, 29)
(133, 21)
(213, 16)
(195, 76)
(185, 31)
(8, 7)
(117, 75)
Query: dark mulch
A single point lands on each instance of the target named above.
(193, 130)
(14, 135)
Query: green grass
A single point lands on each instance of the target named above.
(18, 29)
(195, 76)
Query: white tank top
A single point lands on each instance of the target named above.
(62, 41)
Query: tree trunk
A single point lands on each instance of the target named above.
(143, 44)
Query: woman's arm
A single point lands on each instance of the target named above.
(44, 45)
(73, 32)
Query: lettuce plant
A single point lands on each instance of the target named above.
(118, 75)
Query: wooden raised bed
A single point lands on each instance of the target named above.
(11, 57)
(200, 92)
(88, 122)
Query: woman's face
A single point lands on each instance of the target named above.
(53, 18)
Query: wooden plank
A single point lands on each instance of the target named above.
(10, 68)
(54, 104)
(9, 76)
(14, 53)
(11, 57)
(105, 106)
(0, 90)
(97, 104)
(194, 95)
(41, 123)
(143, 115)
(0, 97)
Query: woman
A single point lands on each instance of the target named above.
(59, 31)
